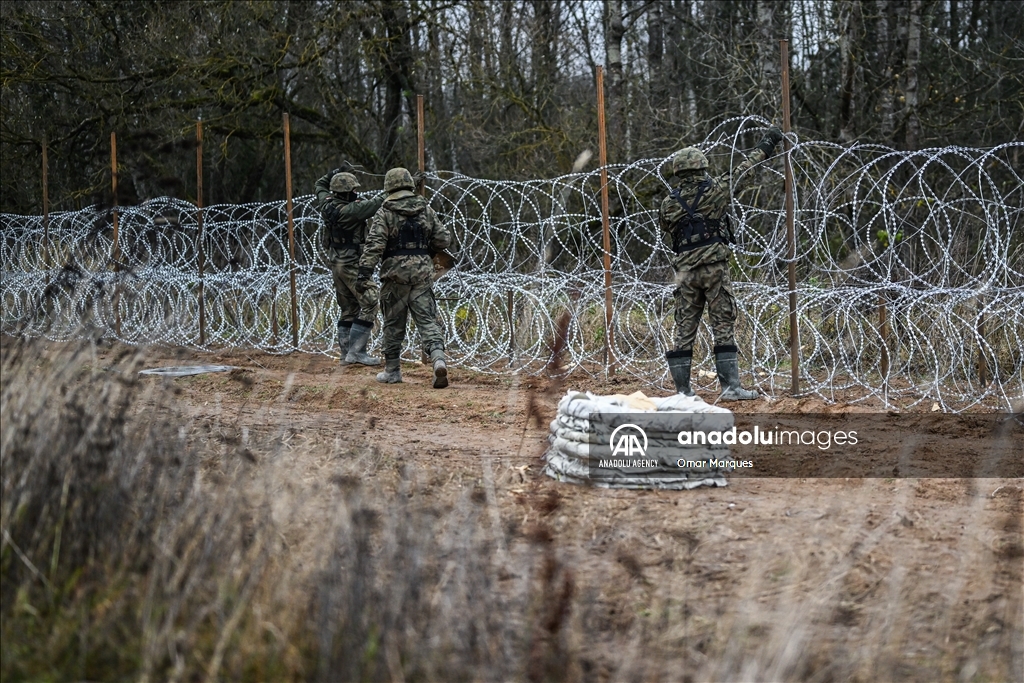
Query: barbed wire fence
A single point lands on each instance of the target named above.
(909, 268)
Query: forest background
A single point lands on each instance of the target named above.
(509, 86)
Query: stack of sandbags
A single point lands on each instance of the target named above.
(579, 448)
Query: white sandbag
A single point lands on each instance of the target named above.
(633, 403)
(583, 420)
(563, 468)
(589, 456)
(582, 405)
(577, 424)
(636, 400)
(581, 426)
(687, 404)
(667, 418)
(655, 440)
(568, 433)
(575, 449)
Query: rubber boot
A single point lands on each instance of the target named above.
(440, 369)
(679, 367)
(357, 342)
(344, 330)
(728, 367)
(392, 371)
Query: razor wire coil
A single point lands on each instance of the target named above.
(911, 272)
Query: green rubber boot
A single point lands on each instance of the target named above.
(392, 371)
(357, 342)
(679, 367)
(728, 367)
(440, 369)
(344, 331)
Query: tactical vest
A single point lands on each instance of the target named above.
(411, 239)
(694, 230)
(339, 235)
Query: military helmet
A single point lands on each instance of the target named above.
(343, 182)
(688, 159)
(398, 179)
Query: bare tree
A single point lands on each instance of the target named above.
(910, 90)
(396, 60)
(886, 86)
(615, 30)
(509, 85)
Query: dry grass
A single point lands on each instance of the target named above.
(146, 539)
(140, 544)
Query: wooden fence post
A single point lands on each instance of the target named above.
(46, 212)
(883, 326)
(421, 185)
(982, 360)
(201, 253)
(511, 328)
(291, 228)
(273, 314)
(116, 248)
(794, 330)
(605, 226)
(421, 148)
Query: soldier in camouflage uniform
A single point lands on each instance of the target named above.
(345, 218)
(403, 236)
(696, 226)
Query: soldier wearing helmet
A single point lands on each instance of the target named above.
(697, 229)
(402, 238)
(345, 218)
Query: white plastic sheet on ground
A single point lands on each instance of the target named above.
(187, 370)
(573, 435)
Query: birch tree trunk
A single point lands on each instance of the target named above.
(655, 55)
(885, 103)
(614, 32)
(954, 24)
(543, 55)
(768, 36)
(849, 26)
(911, 90)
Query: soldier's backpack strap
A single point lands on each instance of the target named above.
(694, 230)
(410, 240)
(338, 235)
(701, 189)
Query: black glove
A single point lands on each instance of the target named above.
(770, 139)
(418, 177)
(333, 172)
(363, 278)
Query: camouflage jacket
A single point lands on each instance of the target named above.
(345, 222)
(713, 204)
(383, 237)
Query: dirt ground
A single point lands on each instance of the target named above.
(856, 579)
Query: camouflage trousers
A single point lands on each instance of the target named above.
(354, 306)
(704, 284)
(397, 302)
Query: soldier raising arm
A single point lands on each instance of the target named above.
(345, 216)
(403, 236)
(696, 225)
